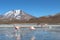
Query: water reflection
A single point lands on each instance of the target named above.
(18, 37)
(28, 34)
(33, 38)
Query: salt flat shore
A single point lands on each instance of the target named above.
(27, 25)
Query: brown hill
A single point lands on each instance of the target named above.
(44, 19)
(47, 19)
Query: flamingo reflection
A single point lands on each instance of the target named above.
(33, 38)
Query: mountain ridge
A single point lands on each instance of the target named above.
(19, 16)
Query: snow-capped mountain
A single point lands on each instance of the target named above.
(17, 14)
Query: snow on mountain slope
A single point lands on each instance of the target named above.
(17, 14)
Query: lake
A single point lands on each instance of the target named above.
(10, 33)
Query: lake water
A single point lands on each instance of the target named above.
(28, 34)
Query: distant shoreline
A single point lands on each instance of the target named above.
(29, 25)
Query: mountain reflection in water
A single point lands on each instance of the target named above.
(28, 34)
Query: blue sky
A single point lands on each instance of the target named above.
(33, 7)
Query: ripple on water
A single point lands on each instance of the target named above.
(27, 34)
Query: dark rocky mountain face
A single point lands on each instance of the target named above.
(15, 16)
(18, 15)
